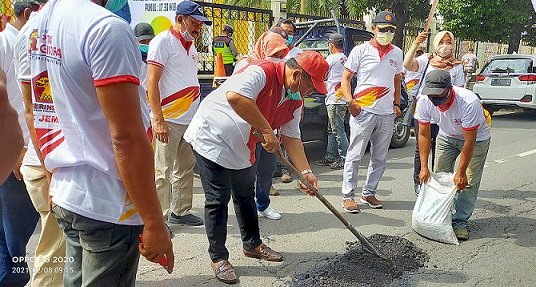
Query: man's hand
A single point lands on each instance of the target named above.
(161, 130)
(421, 38)
(460, 179)
(354, 108)
(156, 244)
(269, 141)
(311, 178)
(16, 168)
(424, 175)
(397, 111)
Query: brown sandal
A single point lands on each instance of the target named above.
(224, 271)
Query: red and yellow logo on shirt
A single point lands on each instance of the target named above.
(411, 84)
(368, 96)
(41, 88)
(180, 102)
(33, 40)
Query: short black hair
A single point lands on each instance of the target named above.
(20, 6)
(293, 64)
(288, 22)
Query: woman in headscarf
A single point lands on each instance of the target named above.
(443, 58)
(270, 46)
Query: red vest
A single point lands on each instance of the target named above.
(277, 113)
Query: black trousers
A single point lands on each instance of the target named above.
(218, 184)
(229, 69)
(434, 130)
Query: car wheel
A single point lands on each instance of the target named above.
(490, 109)
(401, 133)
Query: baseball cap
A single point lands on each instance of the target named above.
(336, 39)
(436, 82)
(228, 27)
(192, 9)
(143, 31)
(385, 19)
(316, 66)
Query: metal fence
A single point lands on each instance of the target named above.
(346, 22)
(6, 12)
(248, 24)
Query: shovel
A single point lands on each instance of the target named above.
(364, 241)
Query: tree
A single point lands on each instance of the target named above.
(502, 21)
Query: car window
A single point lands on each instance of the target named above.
(511, 65)
(320, 45)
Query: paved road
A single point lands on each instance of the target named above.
(501, 251)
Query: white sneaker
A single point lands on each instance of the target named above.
(269, 213)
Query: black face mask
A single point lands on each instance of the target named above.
(438, 101)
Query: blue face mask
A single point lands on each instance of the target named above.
(119, 8)
(296, 96)
(289, 40)
(144, 48)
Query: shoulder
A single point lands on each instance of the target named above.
(466, 95)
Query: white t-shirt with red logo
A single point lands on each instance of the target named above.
(464, 113)
(219, 134)
(71, 54)
(179, 86)
(333, 83)
(375, 76)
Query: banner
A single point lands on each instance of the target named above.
(160, 14)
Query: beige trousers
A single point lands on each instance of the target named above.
(174, 175)
(50, 251)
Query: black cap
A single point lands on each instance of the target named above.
(228, 28)
(385, 18)
(143, 31)
(336, 39)
(436, 82)
(193, 9)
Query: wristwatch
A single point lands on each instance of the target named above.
(348, 104)
(307, 171)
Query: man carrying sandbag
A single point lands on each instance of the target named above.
(464, 129)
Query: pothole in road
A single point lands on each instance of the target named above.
(358, 267)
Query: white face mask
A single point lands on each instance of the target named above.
(384, 38)
(444, 50)
(186, 35)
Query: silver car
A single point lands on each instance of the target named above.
(507, 81)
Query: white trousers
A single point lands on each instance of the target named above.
(376, 129)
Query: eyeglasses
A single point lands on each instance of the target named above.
(387, 29)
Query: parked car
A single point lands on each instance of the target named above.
(314, 123)
(507, 81)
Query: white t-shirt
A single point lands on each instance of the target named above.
(179, 86)
(333, 83)
(97, 49)
(469, 60)
(411, 79)
(464, 113)
(375, 76)
(7, 54)
(219, 134)
(292, 53)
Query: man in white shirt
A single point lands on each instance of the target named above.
(290, 28)
(173, 92)
(18, 217)
(470, 64)
(336, 107)
(377, 64)
(464, 130)
(93, 135)
(224, 133)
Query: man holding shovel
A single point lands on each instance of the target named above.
(262, 97)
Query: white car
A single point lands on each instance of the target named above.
(507, 81)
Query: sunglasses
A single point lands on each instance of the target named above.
(387, 29)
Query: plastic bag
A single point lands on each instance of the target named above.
(432, 214)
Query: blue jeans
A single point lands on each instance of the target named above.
(447, 150)
(264, 168)
(337, 140)
(18, 218)
(98, 253)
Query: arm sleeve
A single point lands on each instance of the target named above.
(422, 111)
(352, 64)
(233, 48)
(292, 128)
(400, 68)
(249, 84)
(158, 53)
(22, 63)
(112, 54)
(422, 60)
(472, 116)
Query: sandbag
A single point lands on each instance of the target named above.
(432, 214)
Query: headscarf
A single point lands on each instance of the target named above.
(441, 63)
(269, 44)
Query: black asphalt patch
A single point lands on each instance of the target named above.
(358, 267)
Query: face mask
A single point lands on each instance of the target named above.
(438, 101)
(296, 96)
(384, 38)
(444, 51)
(186, 35)
(289, 40)
(144, 48)
(119, 8)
